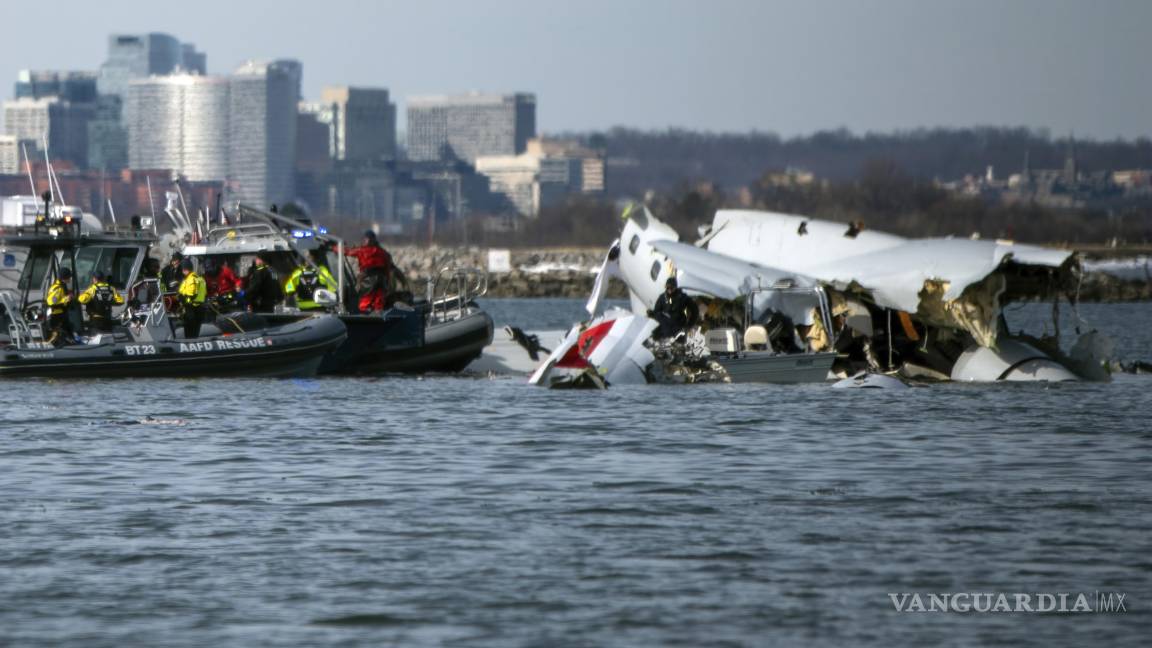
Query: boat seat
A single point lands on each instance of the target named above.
(756, 338)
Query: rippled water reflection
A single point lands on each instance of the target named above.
(481, 512)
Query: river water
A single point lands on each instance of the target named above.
(482, 512)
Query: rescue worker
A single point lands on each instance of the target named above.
(193, 293)
(222, 284)
(58, 299)
(674, 310)
(170, 278)
(375, 269)
(301, 287)
(262, 290)
(100, 297)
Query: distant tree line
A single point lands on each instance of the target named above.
(885, 181)
(882, 197)
(639, 161)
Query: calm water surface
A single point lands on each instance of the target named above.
(481, 512)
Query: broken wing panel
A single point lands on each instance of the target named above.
(725, 277)
(621, 356)
(545, 369)
(608, 269)
(612, 345)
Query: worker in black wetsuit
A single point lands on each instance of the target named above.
(674, 310)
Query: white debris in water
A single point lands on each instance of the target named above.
(156, 421)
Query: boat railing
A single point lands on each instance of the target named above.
(222, 233)
(150, 321)
(452, 288)
(23, 334)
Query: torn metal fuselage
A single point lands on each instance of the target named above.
(757, 323)
(786, 298)
(931, 308)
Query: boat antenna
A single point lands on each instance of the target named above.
(112, 212)
(184, 207)
(103, 184)
(57, 192)
(28, 167)
(151, 200)
(48, 170)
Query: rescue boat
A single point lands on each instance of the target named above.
(145, 341)
(441, 330)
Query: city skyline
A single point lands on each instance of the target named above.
(732, 66)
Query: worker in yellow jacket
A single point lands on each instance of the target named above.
(58, 299)
(193, 292)
(100, 297)
(302, 285)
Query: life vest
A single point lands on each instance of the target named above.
(307, 283)
(101, 301)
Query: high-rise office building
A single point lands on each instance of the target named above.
(56, 104)
(466, 127)
(262, 131)
(75, 87)
(179, 122)
(240, 128)
(134, 56)
(131, 57)
(363, 123)
(63, 124)
(107, 136)
(28, 120)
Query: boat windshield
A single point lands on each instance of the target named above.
(117, 262)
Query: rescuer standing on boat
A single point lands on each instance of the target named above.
(261, 288)
(100, 297)
(170, 278)
(674, 310)
(193, 292)
(375, 268)
(58, 299)
(305, 281)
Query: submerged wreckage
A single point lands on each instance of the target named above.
(785, 298)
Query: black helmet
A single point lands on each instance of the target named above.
(176, 256)
(671, 283)
(65, 273)
(99, 275)
(187, 264)
(370, 235)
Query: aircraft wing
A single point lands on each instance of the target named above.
(718, 275)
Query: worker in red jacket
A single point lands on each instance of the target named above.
(222, 283)
(375, 269)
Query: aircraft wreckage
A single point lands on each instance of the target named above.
(784, 298)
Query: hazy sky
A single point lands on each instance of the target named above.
(721, 65)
